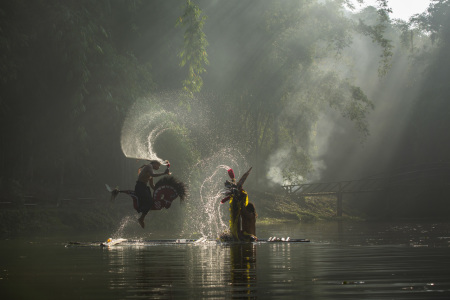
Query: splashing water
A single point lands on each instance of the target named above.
(213, 217)
(146, 121)
(209, 198)
(139, 133)
(123, 223)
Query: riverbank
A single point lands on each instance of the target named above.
(15, 221)
(279, 208)
(44, 218)
(272, 208)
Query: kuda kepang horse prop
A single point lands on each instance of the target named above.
(166, 190)
(242, 212)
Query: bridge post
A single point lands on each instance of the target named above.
(339, 201)
(339, 204)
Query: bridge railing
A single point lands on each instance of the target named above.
(329, 188)
(428, 177)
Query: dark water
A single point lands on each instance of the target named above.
(343, 261)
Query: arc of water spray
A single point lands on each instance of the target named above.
(135, 126)
(209, 204)
(208, 217)
(154, 134)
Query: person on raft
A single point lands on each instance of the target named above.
(248, 220)
(142, 190)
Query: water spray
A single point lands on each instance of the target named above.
(146, 121)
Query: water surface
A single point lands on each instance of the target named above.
(342, 261)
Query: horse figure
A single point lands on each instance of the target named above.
(166, 190)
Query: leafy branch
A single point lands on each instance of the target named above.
(193, 53)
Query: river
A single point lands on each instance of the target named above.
(344, 260)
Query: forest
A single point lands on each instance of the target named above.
(302, 91)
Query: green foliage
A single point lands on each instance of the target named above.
(65, 71)
(193, 55)
(378, 34)
(98, 70)
(71, 70)
(289, 83)
(431, 114)
(435, 20)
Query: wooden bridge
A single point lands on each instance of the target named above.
(422, 177)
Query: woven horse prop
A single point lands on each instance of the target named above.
(166, 190)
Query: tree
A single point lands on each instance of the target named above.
(432, 113)
(193, 53)
(66, 70)
(275, 72)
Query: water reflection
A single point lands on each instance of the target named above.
(352, 261)
(243, 270)
(287, 270)
(196, 271)
(118, 267)
(344, 260)
(168, 271)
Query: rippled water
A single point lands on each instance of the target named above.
(342, 261)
